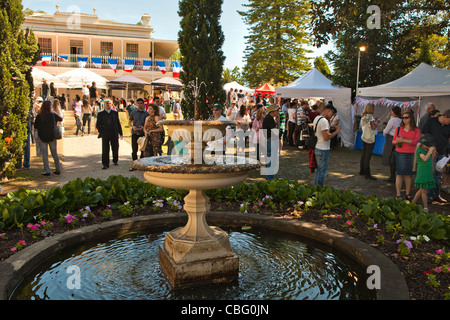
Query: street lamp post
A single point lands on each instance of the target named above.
(361, 49)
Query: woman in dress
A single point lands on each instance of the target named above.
(405, 139)
(389, 149)
(153, 131)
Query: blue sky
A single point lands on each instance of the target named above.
(164, 20)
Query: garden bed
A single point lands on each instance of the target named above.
(423, 262)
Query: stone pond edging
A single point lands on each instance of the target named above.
(16, 267)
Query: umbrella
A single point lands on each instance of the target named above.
(167, 83)
(77, 78)
(39, 75)
(127, 82)
(266, 88)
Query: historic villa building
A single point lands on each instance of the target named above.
(68, 39)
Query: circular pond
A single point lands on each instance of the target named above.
(273, 266)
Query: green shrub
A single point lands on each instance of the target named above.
(19, 208)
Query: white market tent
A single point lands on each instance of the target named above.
(79, 77)
(39, 76)
(236, 85)
(315, 85)
(425, 83)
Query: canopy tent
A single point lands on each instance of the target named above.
(314, 84)
(77, 78)
(236, 85)
(127, 82)
(423, 84)
(265, 88)
(167, 83)
(39, 76)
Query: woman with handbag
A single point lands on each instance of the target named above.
(368, 126)
(46, 125)
(405, 139)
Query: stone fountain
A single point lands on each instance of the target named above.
(196, 253)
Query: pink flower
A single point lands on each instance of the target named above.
(13, 249)
(22, 242)
(349, 222)
(438, 270)
(440, 251)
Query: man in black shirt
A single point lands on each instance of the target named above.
(269, 124)
(93, 94)
(45, 89)
(109, 128)
(439, 128)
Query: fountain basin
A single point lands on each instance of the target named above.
(23, 263)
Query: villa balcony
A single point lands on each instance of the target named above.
(72, 61)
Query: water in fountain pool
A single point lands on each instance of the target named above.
(273, 266)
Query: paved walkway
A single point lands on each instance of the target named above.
(80, 158)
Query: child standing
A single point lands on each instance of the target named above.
(424, 164)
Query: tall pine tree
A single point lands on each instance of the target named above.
(200, 39)
(275, 49)
(17, 53)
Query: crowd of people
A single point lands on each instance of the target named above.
(409, 150)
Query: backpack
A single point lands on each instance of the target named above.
(312, 140)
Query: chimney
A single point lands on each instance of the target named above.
(145, 19)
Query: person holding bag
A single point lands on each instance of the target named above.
(369, 126)
(45, 124)
(405, 139)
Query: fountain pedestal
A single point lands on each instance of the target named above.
(197, 253)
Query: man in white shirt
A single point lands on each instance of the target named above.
(322, 150)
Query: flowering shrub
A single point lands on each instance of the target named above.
(69, 219)
(37, 229)
(126, 209)
(19, 246)
(174, 204)
(404, 246)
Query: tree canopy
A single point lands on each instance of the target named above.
(200, 40)
(391, 49)
(18, 53)
(276, 42)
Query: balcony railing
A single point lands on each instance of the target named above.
(71, 61)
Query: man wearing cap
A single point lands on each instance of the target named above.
(269, 124)
(322, 149)
(217, 111)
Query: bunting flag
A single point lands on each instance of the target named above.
(162, 66)
(63, 58)
(82, 61)
(176, 69)
(45, 59)
(146, 65)
(360, 102)
(113, 64)
(129, 65)
(97, 62)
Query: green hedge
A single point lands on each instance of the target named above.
(18, 208)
